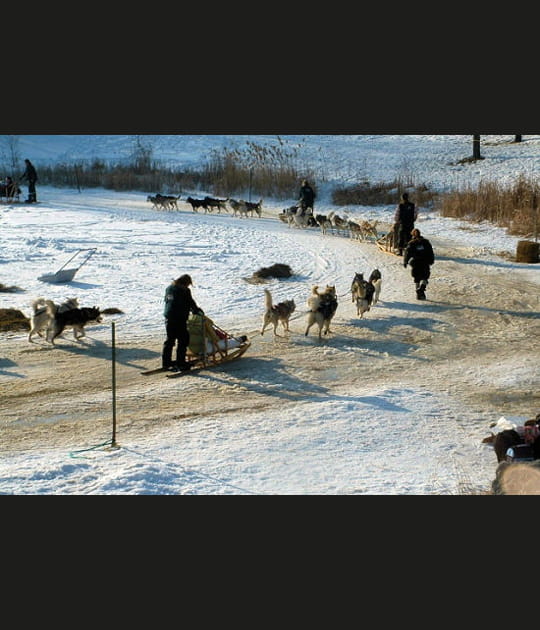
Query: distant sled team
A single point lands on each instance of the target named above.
(238, 207)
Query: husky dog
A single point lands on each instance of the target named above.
(253, 207)
(165, 202)
(323, 221)
(76, 318)
(376, 280)
(220, 204)
(362, 294)
(322, 308)
(41, 318)
(239, 207)
(365, 293)
(303, 220)
(277, 313)
(198, 203)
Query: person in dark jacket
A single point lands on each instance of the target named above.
(31, 176)
(307, 197)
(178, 304)
(419, 253)
(404, 219)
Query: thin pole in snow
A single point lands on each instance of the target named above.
(113, 441)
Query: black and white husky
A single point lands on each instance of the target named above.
(41, 318)
(76, 318)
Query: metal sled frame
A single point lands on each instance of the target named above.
(67, 275)
(217, 355)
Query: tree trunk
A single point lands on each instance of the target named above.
(517, 138)
(476, 148)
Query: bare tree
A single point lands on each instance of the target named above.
(141, 157)
(11, 153)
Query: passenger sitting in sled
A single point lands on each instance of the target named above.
(9, 188)
(217, 341)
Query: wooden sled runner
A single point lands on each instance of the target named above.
(386, 243)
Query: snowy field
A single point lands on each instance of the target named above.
(323, 443)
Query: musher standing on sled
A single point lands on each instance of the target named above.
(178, 304)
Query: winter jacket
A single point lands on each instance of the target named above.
(307, 196)
(406, 214)
(179, 303)
(30, 173)
(419, 252)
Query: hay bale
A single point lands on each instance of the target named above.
(13, 320)
(527, 252)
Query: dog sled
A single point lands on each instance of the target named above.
(10, 193)
(209, 346)
(65, 274)
(386, 243)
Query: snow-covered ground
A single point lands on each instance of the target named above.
(319, 445)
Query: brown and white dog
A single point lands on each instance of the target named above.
(76, 318)
(276, 313)
(322, 308)
(365, 293)
(41, 318)
(376, 280)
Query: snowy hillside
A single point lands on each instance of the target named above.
(430, 159)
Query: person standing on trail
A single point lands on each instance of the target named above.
(419, 253)
(306, 198)
(31, 176)
(178, 304)
(404, 219)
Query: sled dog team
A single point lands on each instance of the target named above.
(322, 305)
(49, 320)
